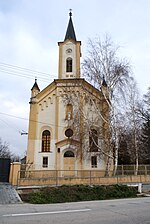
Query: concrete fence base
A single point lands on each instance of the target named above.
(85, 180)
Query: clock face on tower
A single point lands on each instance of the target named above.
(69, 50)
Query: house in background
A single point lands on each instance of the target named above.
(67, 121)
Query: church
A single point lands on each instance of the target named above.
(68, 120)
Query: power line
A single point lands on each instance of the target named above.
(23, 68)
(24, 72)
(9, 125)
(22, 118)
(23, 76)
(20, 132)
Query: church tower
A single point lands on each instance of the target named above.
(69, 54)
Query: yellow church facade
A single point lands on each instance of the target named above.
(67, 121)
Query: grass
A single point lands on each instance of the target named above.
(76, 193)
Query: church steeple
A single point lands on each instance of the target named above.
(69, 54)
(34, 91)
(70, 34)
(35, 86)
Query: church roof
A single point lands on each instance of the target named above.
(70, 34)
(65, 83)
(35, 86)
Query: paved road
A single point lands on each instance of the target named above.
(131, 211)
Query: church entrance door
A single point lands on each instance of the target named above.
(69, 163)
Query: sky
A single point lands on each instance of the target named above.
(29, 33)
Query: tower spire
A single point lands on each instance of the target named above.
(70, 34)
(35, 86)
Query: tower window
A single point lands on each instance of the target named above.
(69, 65)
(45, 162)
(93, 140)
(94, 161)
(46, 138)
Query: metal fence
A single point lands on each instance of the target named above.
(122, 170)
(126, 173)
(131, 170)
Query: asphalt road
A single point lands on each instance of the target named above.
(120, 211)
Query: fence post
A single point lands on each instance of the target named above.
(117, 178)
(122, 171)
(56, 177)
(14, 175)
(18, 176)
(90, 177)
(145, 170)
(11, 173)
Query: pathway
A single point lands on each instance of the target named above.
(8, 194)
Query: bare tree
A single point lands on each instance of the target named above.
(144, 113)
(103, 64)
(134, 122)
(147, 100)
(102, 61)
(4, 150)
(6, 153)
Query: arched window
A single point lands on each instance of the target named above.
(93, 140)
(69, 65)
(69, 154)
(46, 138)
(69, 109)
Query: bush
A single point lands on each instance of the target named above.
(74, 193)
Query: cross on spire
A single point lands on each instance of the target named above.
(70, 13)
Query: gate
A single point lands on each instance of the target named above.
(4, 169)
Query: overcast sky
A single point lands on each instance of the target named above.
(29, 32)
